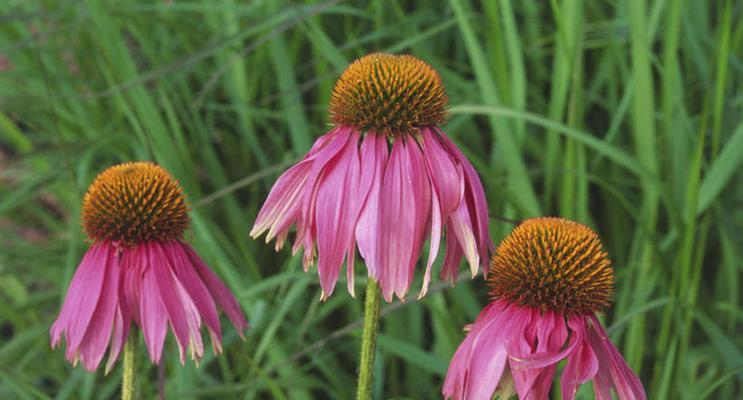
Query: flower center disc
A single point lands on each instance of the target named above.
(552, 263)
(134, 203)
(388, 93)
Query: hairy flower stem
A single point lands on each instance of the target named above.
(127, 378)
(368, 341)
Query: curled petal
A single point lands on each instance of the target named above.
(581, 367)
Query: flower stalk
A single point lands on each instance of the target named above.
(128, 383)
(368, 341)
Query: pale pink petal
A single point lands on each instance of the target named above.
(218, 290)
(97, 336)
(374, 158)
(624, 380)
(336, 213)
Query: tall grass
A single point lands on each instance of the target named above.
(624, 115)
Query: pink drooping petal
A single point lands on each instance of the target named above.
(374, 158)
(581, 367)
(154, 317)
(553, 351)
(97, 336)
(81, 300)
(306, 224)
(221, 294)
(478, 364)
(436, 232)
(459, 222)
(447, 191)
(475, 197)
(450, 268)
(193, 319)
(167, 292)
(370, 154)
(336, 212)
(533, 363)
(133, 265)
(122, 322)
(404, 202)
(283, 205)
(196, 290)
(422, 195)
(625, 382)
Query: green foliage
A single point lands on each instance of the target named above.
(623, 115)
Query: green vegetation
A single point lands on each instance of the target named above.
(622, 115)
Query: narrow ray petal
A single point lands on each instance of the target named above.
(97, 336)
(336, 213)
(221, 294)
(374, 157)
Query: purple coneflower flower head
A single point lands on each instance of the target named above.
(384, 179)
(547, 279)
(138, 270)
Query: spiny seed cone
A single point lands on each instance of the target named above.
(552, 264)
(133, 203)
(389, 94)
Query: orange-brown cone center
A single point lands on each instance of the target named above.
(555, 264)
(388, 93)
(134, 202)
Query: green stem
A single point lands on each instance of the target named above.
(127, 379)
(368, 341)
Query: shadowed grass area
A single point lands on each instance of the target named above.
(623, 115)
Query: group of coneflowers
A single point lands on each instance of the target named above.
(384, 180)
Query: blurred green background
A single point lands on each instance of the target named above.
(624, 115)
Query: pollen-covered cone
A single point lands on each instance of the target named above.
(548, 279)
(139, 271)
(384, 179)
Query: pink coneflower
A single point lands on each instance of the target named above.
(548, 278)
(139, 270)
(385, 179)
